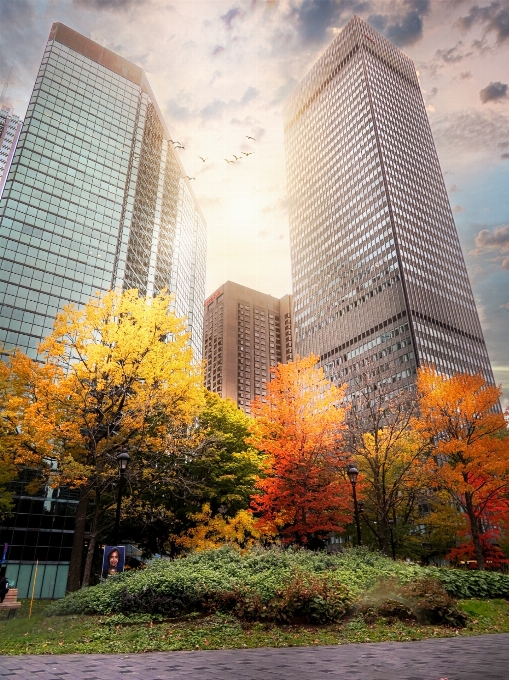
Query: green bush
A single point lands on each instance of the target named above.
(466, 584)
(265, 584)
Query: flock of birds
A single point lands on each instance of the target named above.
(178, 145)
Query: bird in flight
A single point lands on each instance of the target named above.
(181, 147)
(187, 177)
(248, 137)
(229, 161)
(248, 154)
(237, 158)
(177, 142)
(202, 159)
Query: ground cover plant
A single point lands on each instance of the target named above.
(144, 633)
(276, 585)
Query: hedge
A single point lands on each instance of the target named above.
(274, 584)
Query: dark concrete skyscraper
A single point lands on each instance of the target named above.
(380, 283)
(96, 197)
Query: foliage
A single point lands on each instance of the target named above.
(212, 532)
(494, 558)
(219, 473)
(228, 467)
(471, 462)
(431, 603)
(117, 374)
(464, 583)
(136, 633)
(392, 464)
(424, 600)
(298, 426)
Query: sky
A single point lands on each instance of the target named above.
(221, 72)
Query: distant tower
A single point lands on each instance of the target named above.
(10, 127)
(245, 333)
(379, 280)
(96, 197)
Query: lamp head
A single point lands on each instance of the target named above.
(123, 459)
(352, 473)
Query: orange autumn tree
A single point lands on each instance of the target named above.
(460, 415)
(303, 493)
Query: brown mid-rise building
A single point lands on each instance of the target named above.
(245, 333)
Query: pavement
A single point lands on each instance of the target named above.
(464, 658)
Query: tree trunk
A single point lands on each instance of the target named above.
(474, 529)
(93, 541)
(74, 578)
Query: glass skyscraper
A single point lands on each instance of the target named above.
(379, 280)
(96, 198)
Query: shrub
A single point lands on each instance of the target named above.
(431, 603)
(304, 596)
(480, 584)
(424, 600)
(265, 584)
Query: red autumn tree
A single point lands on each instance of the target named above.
(460, 416)
(298, 426)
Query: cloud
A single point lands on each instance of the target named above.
(217, 50)
(230, 15)
(248, 96)
(281, 205)
(458, 209)
(493, 17)
(453, 189)
(213, 110)
(493, 92)
(316, 17)
(109, 5)
(405, 27)
(496, 241)
(471, 131)
(283, 92)
(465, 75)
(176, 111)
(452, 55)
(506, 306)
(504, 156)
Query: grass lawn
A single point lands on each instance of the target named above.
(138, 633)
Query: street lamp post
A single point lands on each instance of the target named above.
(390, 522)
(123, 459)
(352, 475)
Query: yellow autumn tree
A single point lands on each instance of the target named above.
(392, 460)
(213, 531)
(118, 374)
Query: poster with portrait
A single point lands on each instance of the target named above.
(113, 560)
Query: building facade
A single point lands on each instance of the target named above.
(245, 333)
(10, 128)
(96, 198)
(379, 281)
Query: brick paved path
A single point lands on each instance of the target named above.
(469, 658)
